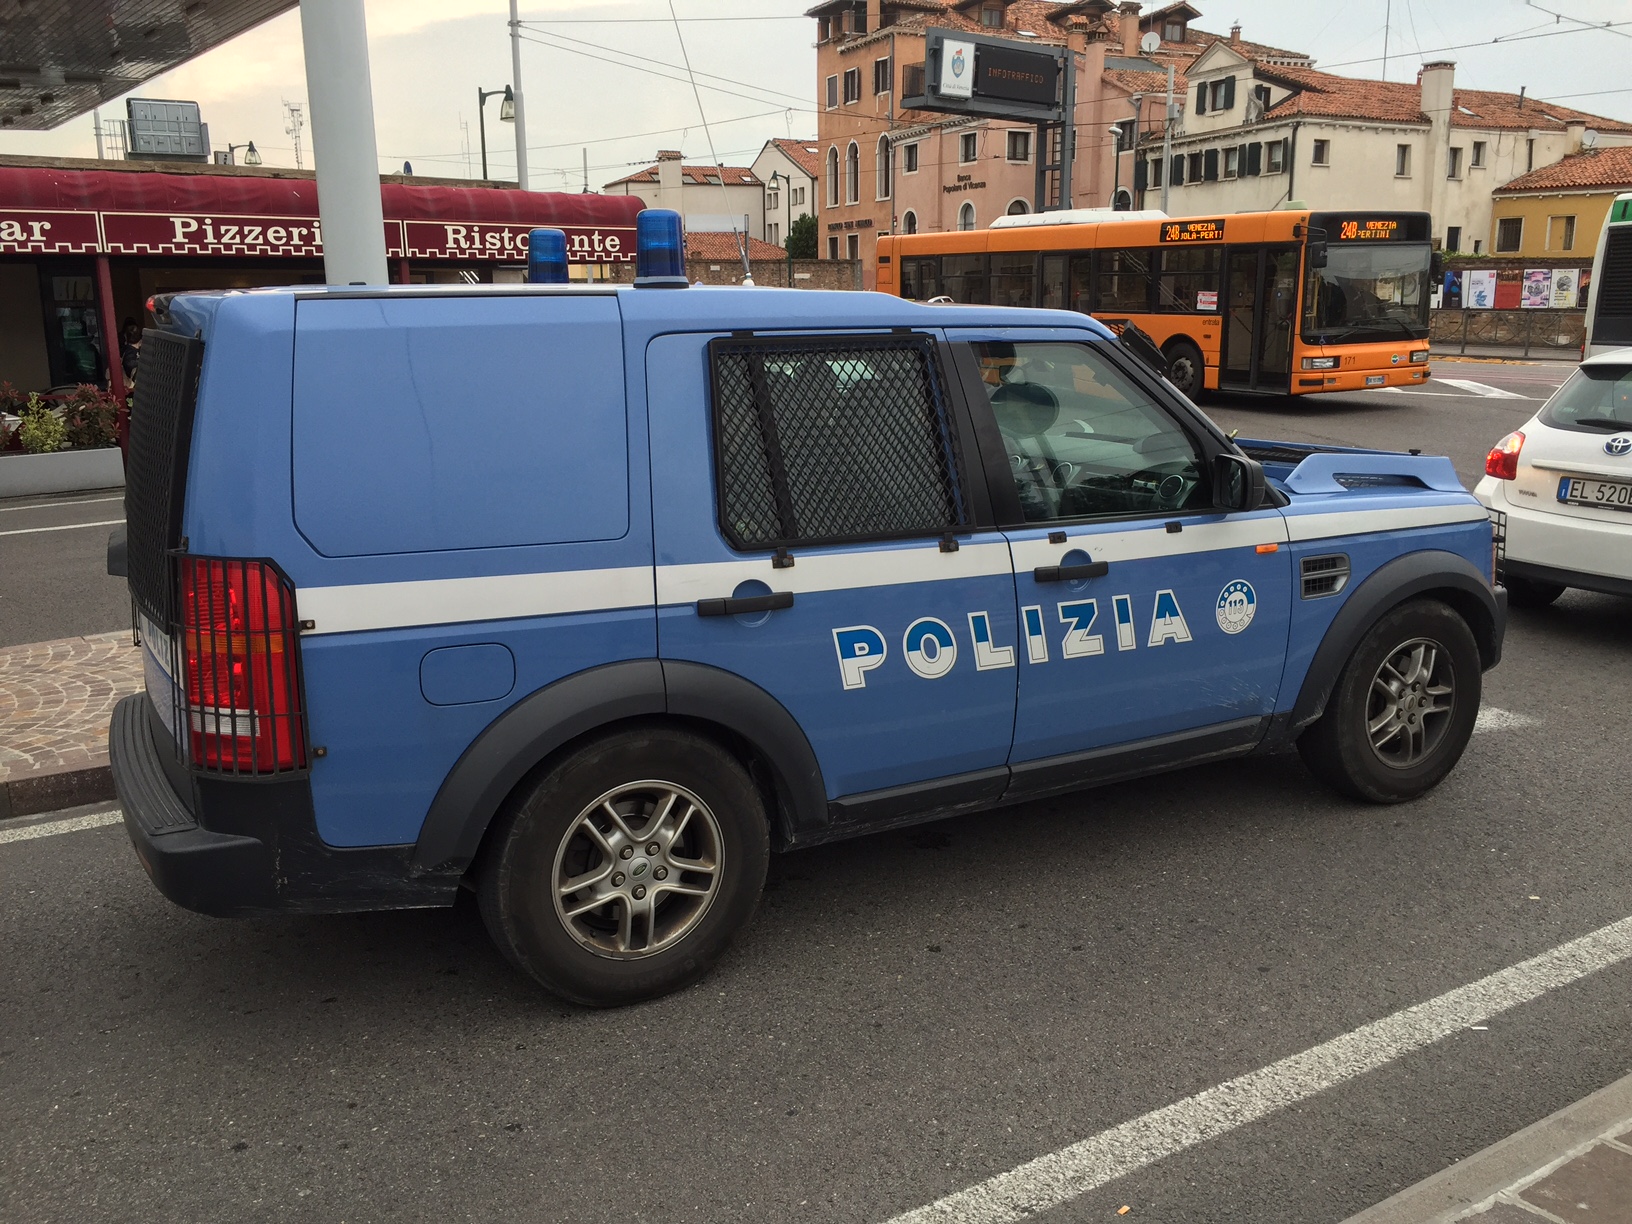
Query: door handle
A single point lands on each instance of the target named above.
(774, 602)
(1071, 573)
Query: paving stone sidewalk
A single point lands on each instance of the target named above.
(55, 702)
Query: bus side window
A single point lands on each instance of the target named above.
(1123, 282)
(1186, 274)
(1082, 283)
(1053, 288)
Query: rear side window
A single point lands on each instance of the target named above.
(1597, 398)
(833, 439)
(428, 424)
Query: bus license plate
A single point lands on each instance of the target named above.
(1376, 380)
(1604, 494)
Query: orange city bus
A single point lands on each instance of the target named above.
(1286, 302)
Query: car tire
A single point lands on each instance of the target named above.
(1528, 593)
(1185, 368)
(1403, 708)
(595, 820)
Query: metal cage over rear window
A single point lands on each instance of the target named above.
(161, 430)
(834, 438)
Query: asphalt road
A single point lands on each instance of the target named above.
(54, 569)
(910, 1013)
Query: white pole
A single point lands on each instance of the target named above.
(521, 113)
(341, 96)
(1167, 142)
(96, 119)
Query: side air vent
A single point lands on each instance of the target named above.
(1325, 575)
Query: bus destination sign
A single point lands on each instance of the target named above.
(1362, 230)
(1192, 231)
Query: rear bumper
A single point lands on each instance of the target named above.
(1545, 546)
(236, 848)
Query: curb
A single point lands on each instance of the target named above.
(1440, 1198)
(46, 791)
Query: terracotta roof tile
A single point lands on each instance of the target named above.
(1589, 168)
(806, 154)
(696, 176)
(702, 244)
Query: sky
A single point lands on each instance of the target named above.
(428, 57)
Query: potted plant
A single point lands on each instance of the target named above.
(62, 443)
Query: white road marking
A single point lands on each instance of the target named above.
(1493, 719)
(86, 501)
(51, 828)
(1481, 389)
(1072, 1171)
(64, 527)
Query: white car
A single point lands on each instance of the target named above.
(1564, 482)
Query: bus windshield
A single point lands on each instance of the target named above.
(1367, 292)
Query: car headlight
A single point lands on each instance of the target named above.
(1418, 357)
(1320, 363)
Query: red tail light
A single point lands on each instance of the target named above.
(241, 662)
(1503, 460)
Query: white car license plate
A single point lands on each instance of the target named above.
(1376, 380)
(1605, 494)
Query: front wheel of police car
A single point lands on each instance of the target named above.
(1403, 709)
(625, 871)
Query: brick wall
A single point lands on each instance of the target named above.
(806, 273)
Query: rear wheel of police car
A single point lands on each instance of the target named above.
(1403, 708)
(625, 871)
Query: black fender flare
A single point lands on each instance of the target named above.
(1443, 574)
(547, 720)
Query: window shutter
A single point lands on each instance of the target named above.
(1141, 170)
(1176, 171)
(1209, 166)
(1255, 159)
(1201, 98)
(1229, 93)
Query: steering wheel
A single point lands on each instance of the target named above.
(1169, 484)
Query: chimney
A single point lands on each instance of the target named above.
(1127, 24)
(875, 15)
(1438, 93)
(668, 178)
(1574, 131)
(1235, 34)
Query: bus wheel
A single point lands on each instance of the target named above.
(1185, 369)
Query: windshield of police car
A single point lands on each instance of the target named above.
(1082, 438)
(1367, 292)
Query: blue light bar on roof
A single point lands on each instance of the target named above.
(547, 257)
(660, 249)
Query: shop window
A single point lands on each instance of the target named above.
(1509, 235)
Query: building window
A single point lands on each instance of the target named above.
(1402, 161)
(1275, 157)
(909, 159)
(1221, 94)
(1322, 155)
(833, 178)
(1193, 168)
(773, 233)
(833, 246)
(882, 173)
(992, 16)
(1561, 233)
(1509, 235)
(1454, 168)
(1477, 161)
(1453, 239)
(881, 75)
(1261, 93)
(909, 222)
(1018, 208)
(966, 216)
(773, 200)
(852, 174)
(832, 92)
(852, 85)
(967, 147)
(824, 29)
(1124, 135)
(796, 197)
(852, 246)
(1153, 176)
(1529, 154)
(1173, 32)
(1019, 145)
(1232, 163)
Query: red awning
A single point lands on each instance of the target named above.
(46, 210)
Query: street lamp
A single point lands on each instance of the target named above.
(1137, 101)
(1116, 161)
(787, 202)
(507, 112)
(251, 156)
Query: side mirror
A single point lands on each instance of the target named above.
(1238, 483)
(1317, 254)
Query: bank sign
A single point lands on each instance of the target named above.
(192, 235)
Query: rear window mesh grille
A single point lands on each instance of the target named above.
(161, 426)
(841, 438)
(1325, 575)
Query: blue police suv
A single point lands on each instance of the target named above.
(586, 598)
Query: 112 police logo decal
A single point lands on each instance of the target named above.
(930, 647)
(1237, 605)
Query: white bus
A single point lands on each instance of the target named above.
(1609, 296)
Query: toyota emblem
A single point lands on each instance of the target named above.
(1620, 444)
